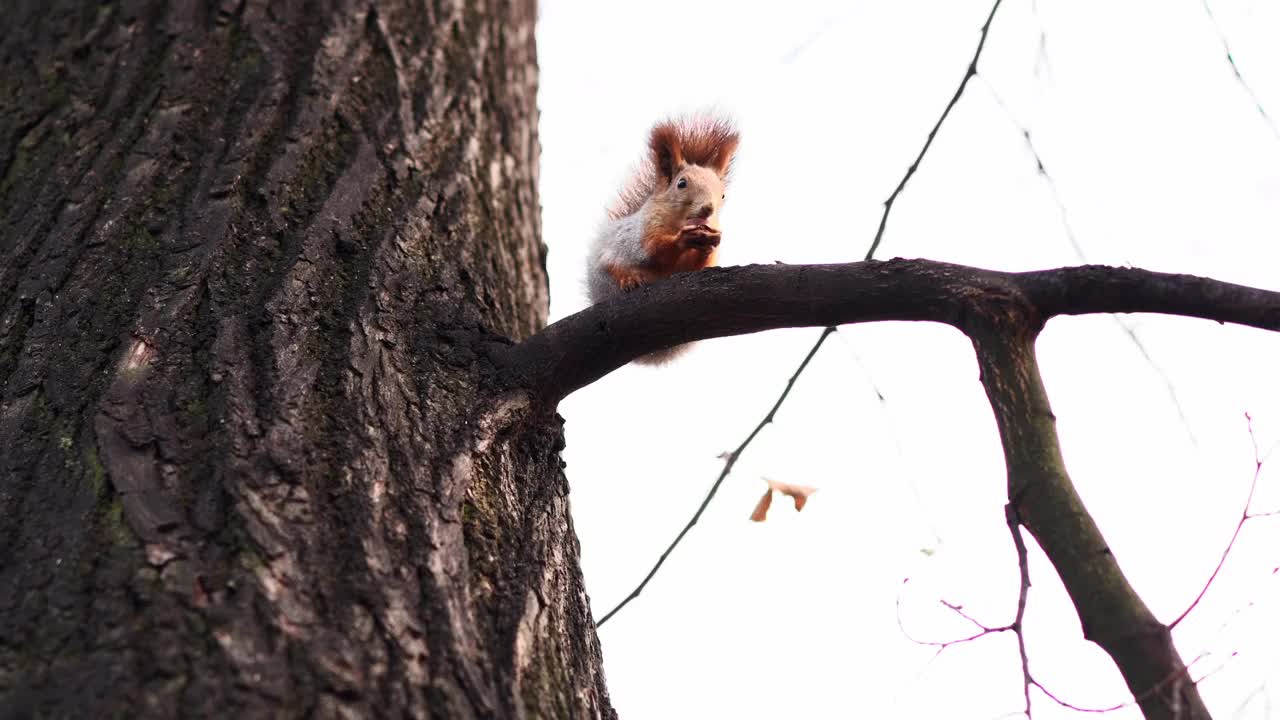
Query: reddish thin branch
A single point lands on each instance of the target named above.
(1024, 588)
(942, 645)
(1245, 516)
(1121, 705)
(959, 610)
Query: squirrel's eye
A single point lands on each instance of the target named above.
(721, 196)
(682, 183)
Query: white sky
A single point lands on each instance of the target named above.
(1162, 161)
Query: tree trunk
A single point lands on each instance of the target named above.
(250, 459)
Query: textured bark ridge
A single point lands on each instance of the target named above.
(250, 462)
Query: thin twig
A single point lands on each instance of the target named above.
(1259, 691)
(959, 610)
(1259, 460)
(892, 429)
(866, 372)
(942, 645)
(1244, 518)
(970, 71)
(1024, 587)
(1080, 255)
(1164, 377)
(729, 462)
(1011, 517)
(1226, 47)
(1025, 132)
(1079, 708)
(1127, 703)
(1042, 48)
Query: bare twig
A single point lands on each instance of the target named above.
(1024, 587)
(1226, 48)
(970, 71)
(866, 372)
(1080, 255)
(1118, 706)
(1042, 47)
(942, 645)
(1080, 708)
(1259, 691)
(892, 429)
(1164, 377)
(1011, 518)
(1049, 182)
(729, 462)
(1245, 516)
(959, 610)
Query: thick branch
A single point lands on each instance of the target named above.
(1044, 500)
(1002, 313)
(1089, 289)
(717, 302)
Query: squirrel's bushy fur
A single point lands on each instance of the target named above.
(666, 218)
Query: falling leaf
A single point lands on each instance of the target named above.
(799, 494)
(762, 507)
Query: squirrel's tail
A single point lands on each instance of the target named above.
(662, 357)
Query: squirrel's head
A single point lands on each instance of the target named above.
(685, 175)
(691, 161)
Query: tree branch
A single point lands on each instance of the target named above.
(970, 71)
(1002, 314)
(1043, 499)
(716, 302)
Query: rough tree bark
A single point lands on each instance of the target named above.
(249, 463)
(275, 412)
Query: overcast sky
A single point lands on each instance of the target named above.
(1160, 159)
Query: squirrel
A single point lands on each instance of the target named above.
(667, 216)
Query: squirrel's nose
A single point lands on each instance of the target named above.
(706, 210)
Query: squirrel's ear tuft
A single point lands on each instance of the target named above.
(722, 147)
(707, 140)
(666, 145)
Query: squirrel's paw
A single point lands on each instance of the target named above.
(700, 237)
(625, 277)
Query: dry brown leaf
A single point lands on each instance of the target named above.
(762, 507)
(798, 493)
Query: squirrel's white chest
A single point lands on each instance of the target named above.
(620, 242)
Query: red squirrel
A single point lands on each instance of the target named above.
(667, 217)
